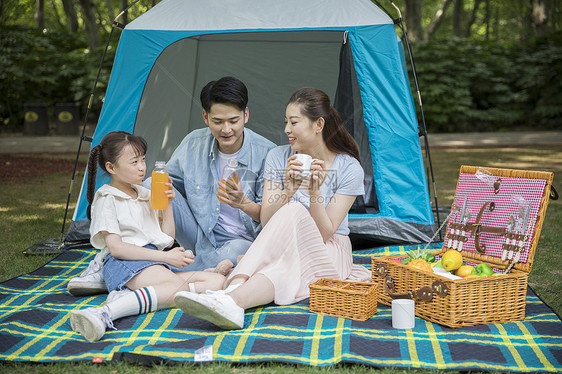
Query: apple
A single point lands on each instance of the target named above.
(482, 270)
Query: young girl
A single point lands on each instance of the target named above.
(305, 234)
(140, 276)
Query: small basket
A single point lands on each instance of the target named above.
(353, 300)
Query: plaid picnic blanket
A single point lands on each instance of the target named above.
(34, 326)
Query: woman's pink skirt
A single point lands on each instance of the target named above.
(290, 252)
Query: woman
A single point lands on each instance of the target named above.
(305, 221)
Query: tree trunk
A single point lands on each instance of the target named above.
(71, 17)
(487, 19)
(437, 19)
(472, 17)
(124, 5)
(540, 17)
(413, 19)
(110, 10)
(40, 14)
(458, 13)
(57, 17)
(527, 31)
(91, 26)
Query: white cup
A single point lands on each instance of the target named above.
(403, 314)
(306, 163)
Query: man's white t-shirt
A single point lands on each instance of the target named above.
(229, 217)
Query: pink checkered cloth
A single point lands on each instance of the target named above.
(506, 205)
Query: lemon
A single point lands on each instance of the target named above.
(464, 270)
(451, 260)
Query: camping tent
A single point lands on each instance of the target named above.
(349, 49)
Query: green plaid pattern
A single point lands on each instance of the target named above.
(34, 326)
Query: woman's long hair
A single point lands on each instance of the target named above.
(109, 150)
(315, 104)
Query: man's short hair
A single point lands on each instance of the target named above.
(227, 90)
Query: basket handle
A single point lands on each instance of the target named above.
(421, 294)
(476, 228)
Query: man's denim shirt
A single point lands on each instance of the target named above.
(193, 170)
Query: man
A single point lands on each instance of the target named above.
(216, 231)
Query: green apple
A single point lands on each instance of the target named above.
(482, 270)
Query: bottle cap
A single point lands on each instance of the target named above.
(232, 162)
(160, 164)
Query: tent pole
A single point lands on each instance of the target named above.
(82, 137)
(424, 128)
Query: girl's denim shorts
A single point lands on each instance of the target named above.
(118, 272)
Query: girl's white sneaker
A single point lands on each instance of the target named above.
(91, 323)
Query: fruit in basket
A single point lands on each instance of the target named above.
(483, 270)
(419, 254)
(451, 260)
(420, 264)
(464, 270)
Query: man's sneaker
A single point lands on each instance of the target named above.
(91, 323)
(90, 282)
(219, 309)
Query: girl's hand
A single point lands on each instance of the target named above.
(179, 257)
(170, 193)
(230, 192)
(293, 168)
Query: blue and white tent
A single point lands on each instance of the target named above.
(349, 49)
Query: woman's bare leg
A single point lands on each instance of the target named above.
(257, 290)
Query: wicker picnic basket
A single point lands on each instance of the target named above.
(353, 300)
(495, 199)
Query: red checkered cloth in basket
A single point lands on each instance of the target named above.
(506, 205)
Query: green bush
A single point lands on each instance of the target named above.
(466, 85)
(471, 85)
(49, 68)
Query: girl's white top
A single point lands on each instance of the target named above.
(115, 212)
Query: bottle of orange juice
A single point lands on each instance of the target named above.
(158, 199)
(229, 173)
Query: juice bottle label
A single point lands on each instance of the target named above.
(158, 198)
(234, 179)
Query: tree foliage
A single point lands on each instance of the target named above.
(470, 85)
(481, 64)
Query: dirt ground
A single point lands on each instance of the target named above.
(22, 167)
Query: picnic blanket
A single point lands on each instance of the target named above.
(34, 326)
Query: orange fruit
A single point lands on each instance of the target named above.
(471, 276)
(421, 264)
(464, 270)
(451, 260)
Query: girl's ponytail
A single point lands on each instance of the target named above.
(93, 161)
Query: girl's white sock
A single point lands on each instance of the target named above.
(143, 300)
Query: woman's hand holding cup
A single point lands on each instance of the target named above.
(302, 168)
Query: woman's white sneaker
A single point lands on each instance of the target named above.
(219, 309)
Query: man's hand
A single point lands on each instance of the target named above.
(230, 192)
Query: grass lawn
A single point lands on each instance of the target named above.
(32, 210)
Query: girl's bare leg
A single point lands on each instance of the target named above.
(167, 283)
